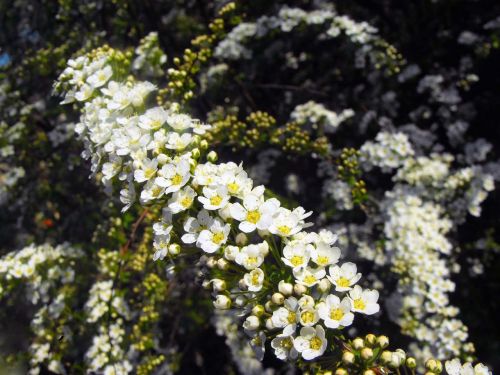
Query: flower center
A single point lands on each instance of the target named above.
(286, 343)
(343, 282)
(359, 304)
(186, 202)
(217, 238)
(297, 260)
(215, 200)
(292, 317)
(149, 172)
(252, 261)
(315, 343)
(322, 260)
(177, 179)
(309, 279)
(284, 229)
(233, 187)
(336, 314)
(253, 216)
(307, 317)
(255, 279)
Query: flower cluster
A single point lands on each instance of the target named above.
(245, 238)
(317, 115)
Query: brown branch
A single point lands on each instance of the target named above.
(138, 222)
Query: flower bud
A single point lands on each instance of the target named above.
(324, 286)
(258, 310)
(269, 324)
(348, 358)
(222, 264)
(370, 339)
(203, 144)
(211, 262)
(411, 362)
(230, 252)
(218, 285)
(386, 356)
(366, 353)
(369, 372)
(285, 288)
(212, 157)
(269, 306)
(162, 159)
(242, 284)
(358, 343)
(251, 323)
(383, 341)
(222, 302)
(434, 365)
(278, 298)
(341, 371)
(174, 249)
(241, 239)
(299, 289)
(205, 284)
(195, 153)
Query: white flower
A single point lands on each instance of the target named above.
(84, 93)
(222, 302)
(364, 301)
(252, 256)
(309, 276)
(236, 182)
(180, 122)
(151, 191)
(173, 176)
(311, 343)
(283, 345)
(286, 315)
(178, 142)
(193, 226)
(255, 213)
(344, 277)
(336, 313)
(153, 118)
(214, 199)
(182, 200)
(100, 77)
(210, 240)
(308, 316)
(147, 170)
(324, 255)
(454, 367)
(254, 280)
(297, 255)
(285, 223)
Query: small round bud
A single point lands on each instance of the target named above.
(348, 358)
(386, 356)
(258, 310)
(195, 153)
(269, 306)
(174, 249)
(366, 353)
(369, 372)
(383, 341)
(434, 365)
(285, 288)
(241, 239)
(230, 252)
(251, 323)
(324, 286)
(222, 302)
(341, 371)
(211, 262)
(222, 264)
(370, 339)
(299, 289)
(205, 284)
(203, 144)
(242, 284)
(278, 298)
(218, 285)
(411, 362)
(269, 324)
(212, 157)
(358, 343)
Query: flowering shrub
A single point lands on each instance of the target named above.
(190, 228)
